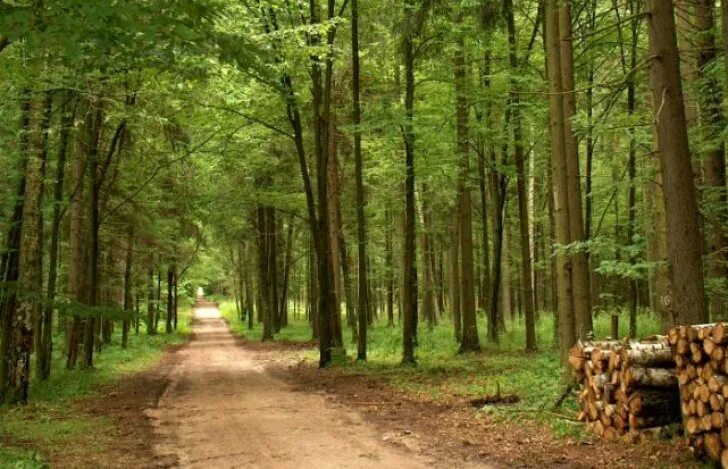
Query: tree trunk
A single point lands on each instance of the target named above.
(30, 262)
(469, 341)
(714, 171)
(170, 300)
(409, 293)
(580, 277)
(389, 259)
(683, 232)
(45, 354)
(361, 232)
(526, 278)
(151, 330)
(128, 287)
(455, 308)
(559, 177)
(10, 263)
(287, 263)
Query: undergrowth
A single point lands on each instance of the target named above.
(51, 421)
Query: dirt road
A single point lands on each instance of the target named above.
(221, 409)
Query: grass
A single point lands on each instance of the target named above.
(50, 420)
(441, 373)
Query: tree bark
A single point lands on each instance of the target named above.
(30, 262)
(580, 277)
(68, 113)
(409, 292)
(128, 287)
(523, 213)
(683, 232)
(469, 341)
(714, 172)
(361, 232)
(559, 179)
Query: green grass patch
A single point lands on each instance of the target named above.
(49, 420)
(441, 373)
(296, 331)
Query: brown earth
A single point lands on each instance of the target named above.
(221, 402)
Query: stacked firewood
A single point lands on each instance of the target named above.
(700, 356)
(626, 388)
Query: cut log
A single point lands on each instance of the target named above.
(683, 346)
(717, 420)
(656, 355)
(692, 407)
(700, 409)
(720, 333)
(716, 383)
(718, 356)
(717, 402)
(704, 391)
(653, 377)
(708, 346)
(713, 445)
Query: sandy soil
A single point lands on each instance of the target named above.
(221, 408)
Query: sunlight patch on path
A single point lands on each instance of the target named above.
(206, 312)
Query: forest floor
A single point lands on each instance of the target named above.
(224, 401)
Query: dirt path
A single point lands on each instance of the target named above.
(222, 409)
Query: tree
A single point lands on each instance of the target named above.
(363, 288)
(683, 232)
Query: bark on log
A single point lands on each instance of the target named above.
(654, 377)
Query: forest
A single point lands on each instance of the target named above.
(506, 205)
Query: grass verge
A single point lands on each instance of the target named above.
(51, 420)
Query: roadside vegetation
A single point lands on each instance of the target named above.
(54, 419)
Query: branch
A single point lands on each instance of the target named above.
(265, 124)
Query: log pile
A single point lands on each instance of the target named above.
(627, 389)
(700, 356)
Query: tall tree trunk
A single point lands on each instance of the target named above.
(128, 287)
(519, 153)
(10, 259)
(361, 233)
(632, 164)
(30, 262)
(714, 171)
(78, 279)
(409, 293)
(68, 113)
(93, 226)
(330, 337)
(681, 209)
(151, 329)
(469, 341)
(559, 175)
(580, 277)
(170, 299)
(44, 130)
(455, 307)
(389, 260)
